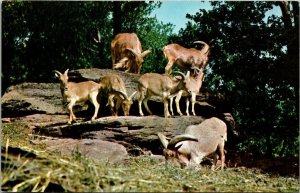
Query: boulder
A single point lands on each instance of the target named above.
(45, 98)
(31, 98)
(130, 131)
(90, 148)
(39, 106)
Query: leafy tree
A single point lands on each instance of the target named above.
(250, 65)
(39, 37)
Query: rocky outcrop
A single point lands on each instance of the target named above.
(39, 105)
(90, 148)
(129, 131)
(31, 98)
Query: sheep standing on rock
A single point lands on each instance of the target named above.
(197, 142)
(186, 58)
(81, 92)
(161, 85)
(114, 87)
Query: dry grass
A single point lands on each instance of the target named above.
(29, 168)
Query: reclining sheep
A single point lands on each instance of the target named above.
(197, 142)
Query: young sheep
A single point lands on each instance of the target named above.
(162, 85)
(81, 92)
(197, 142)
(114, 87)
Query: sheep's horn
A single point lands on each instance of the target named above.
(179, 138)
(132, 95)
(132, 51)
(197, 69)
(180, 73)
(145, 53)
(55, 71)
(122, 93)
(163, 140)
(205, 49)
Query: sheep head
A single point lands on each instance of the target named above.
(138, 58)
(127, 102)
(63, 79)
(171, 149)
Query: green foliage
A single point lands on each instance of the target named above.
(246, 55)
(39, 37)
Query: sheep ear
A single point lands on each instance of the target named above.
(66, 72)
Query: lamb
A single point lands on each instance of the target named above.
(153, 84)
(197, 142)
(81, 92)
(193, 89)
(114, 87)
(184, 57)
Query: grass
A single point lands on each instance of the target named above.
(38, 170)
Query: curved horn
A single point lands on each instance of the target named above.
(145, 53)
(197, 69)
(57, 72)
(132, 95)
(120, 64)
(132, 51)
(179, 138)
(180, 73)
(122, 93)
(205, 49)
(163, 140)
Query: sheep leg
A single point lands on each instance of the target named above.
(118, 104)
(166, 103)
(168, 67)
(70, 109)
(222, 154)
(145, 102)
(171, 106)
(215, 160)
(178, 97)
(142, 96)
(193, 100)
(112, 104)
(187, 102)
(93, 99)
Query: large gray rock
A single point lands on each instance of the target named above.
(90, 148)
(130, 131)
(30, 98)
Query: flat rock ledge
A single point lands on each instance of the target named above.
(130, 131)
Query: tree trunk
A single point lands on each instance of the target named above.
(117, 17)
